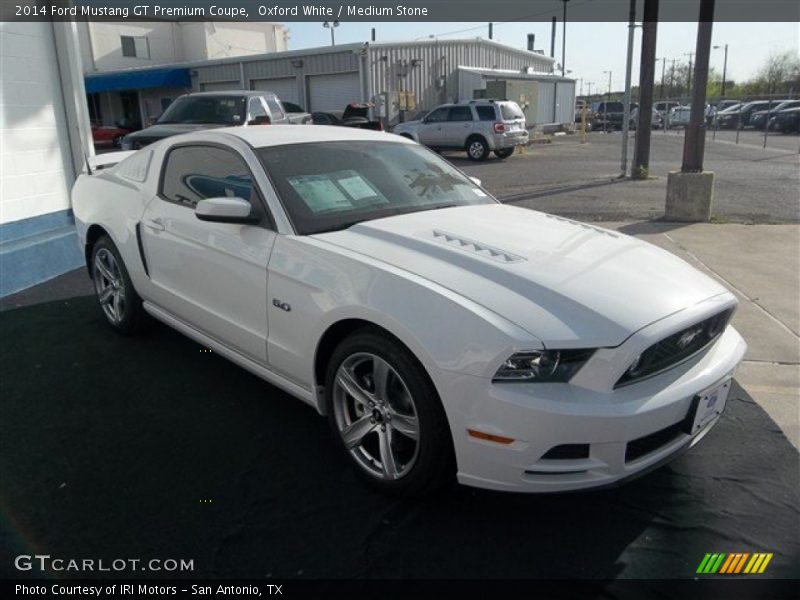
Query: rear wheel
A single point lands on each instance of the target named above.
(477, 149)
(120, 304)
(386, 415)
(504, 153)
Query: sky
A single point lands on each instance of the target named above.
(749, 44)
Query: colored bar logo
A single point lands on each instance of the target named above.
(735, 563)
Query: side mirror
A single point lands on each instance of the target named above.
(475, 180)
(225, 210)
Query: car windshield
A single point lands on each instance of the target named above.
(212, 110)
(332, 185)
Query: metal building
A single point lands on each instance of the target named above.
(433, 71)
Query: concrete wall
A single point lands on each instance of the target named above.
(36, 173)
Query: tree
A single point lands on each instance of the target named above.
(780, 74)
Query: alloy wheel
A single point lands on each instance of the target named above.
(376, 416)
(476, 149)
(109, 285)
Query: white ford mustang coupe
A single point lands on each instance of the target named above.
(440, 331)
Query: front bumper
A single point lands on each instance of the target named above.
(624, 432)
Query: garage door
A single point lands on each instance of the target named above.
(221, 86)
(285, 88)
(333, 92)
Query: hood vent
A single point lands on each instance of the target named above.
(478, 248)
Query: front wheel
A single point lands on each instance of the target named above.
(386, 415)
(504, 153)
(477, 149)
(119, 302)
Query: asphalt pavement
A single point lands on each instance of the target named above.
(573, 179)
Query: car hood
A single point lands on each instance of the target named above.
(571, 285)
(158, 132)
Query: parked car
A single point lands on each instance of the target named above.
(760, 118)
(207, 110)
(739, 116)
(355, 114)
(606, 115)
(663, 107)
(725, 104)
(679, 116)
(655, 121)
(441, 332)
(107, 135)
(786, 121)
(478, 126)
(295, 114)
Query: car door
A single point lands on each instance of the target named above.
(458, 126)
(210, 275)
(430, 130)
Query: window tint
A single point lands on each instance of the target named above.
(438, 115)
(274, 108)
(486, 113)
(460, 113)
(511, 111)
(292, 107)
(128, 46)
(193, 173)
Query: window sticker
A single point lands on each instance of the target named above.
(357, 187)
(320, 193)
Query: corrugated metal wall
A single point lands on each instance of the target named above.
(430, 69)
(566, 102)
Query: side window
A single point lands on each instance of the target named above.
(460, 113)
(485, 113)
(193, 173)
(274, 108)
(439, 115)
(256, 110)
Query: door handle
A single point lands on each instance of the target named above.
(155, 224)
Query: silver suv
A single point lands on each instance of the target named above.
(478, 126)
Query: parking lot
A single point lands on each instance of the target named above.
(155, 447)
(565, 177)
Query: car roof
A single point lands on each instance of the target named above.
(277, 135)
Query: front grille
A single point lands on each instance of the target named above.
(650, 443)
(676, 348)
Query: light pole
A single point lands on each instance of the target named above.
(663, 72)
(689, 80)
(605, 106)
(724, 69)
(331, 25)
(564, 40)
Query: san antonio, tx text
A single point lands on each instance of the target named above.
(60, 589)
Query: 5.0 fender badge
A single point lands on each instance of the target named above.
(282, 305)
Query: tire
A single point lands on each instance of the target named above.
(504, 153)
(119, 303)
(405, 421)
(477, 149)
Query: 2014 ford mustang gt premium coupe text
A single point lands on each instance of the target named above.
(441, 332)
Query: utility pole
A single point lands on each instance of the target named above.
(626, 118)
(605, 104)
(672, 77)
(724, 69)
(647, 68)
(564, 41)
(663, 72)
(689, 80)
(690, 190)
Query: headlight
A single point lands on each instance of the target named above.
(543, 365)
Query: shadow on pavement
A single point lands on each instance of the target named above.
(151, 447)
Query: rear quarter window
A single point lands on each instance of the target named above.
(486, 113)
(274, 108)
